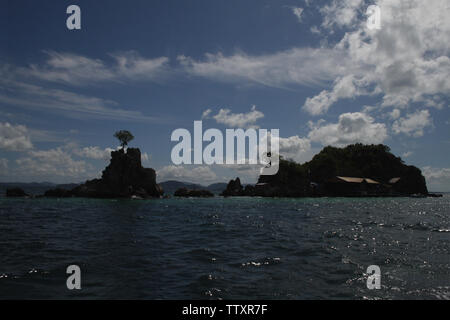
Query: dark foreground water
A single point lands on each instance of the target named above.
(239, 248)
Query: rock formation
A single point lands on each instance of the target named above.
(186, 193)
(358, 162)
(124, 177)
(234, 188)
(16, 193)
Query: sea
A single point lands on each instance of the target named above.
(225, 248)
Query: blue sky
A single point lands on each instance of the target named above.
(309, 68)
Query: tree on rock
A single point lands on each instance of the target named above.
(124, 137)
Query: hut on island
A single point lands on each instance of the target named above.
(353, 186)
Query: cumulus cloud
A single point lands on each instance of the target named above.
(295, 148)
(395, 114)
(94, 153)
(404, 63)
(436, 173)
(343, 88)
(199, 174)
(342, 13)
(438, 179)
(413, 124)
(407, 60)
(52, 164)
(351, 128)
(239, 120)
(14, 137)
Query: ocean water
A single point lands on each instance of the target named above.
(234, 248)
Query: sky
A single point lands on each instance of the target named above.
(312, 69)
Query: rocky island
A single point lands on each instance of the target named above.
(193, 193)
(356, 170)
(124, 177)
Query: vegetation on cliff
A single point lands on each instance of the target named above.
(372, 161)
(314, 178)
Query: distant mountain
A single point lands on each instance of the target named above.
(217, 188)
(171, 186)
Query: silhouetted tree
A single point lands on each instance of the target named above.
(124, 137)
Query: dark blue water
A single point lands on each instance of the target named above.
(237, 248)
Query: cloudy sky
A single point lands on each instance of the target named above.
(309, 68)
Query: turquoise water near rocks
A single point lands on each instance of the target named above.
(226, 248)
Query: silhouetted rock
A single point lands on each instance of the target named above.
(183, 192)
(16, 193)
(234, 188)
(124, 177)
(356, 170)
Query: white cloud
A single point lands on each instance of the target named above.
(343, 88)
(407, 60)
(395, 114)
(405, 63)
(238, 120)
(298, 13)
(436, 173)
(342, 13)
(413, 124)
(94, 153)
(297, 66)
(132, 66)
(25, 95)
(53, 165)
(206, 113)
(14, 137)
(438, 179)
(295, 148)
(80, 70)
(351, 128)
(199, 174)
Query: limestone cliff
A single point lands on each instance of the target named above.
(124, 177)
